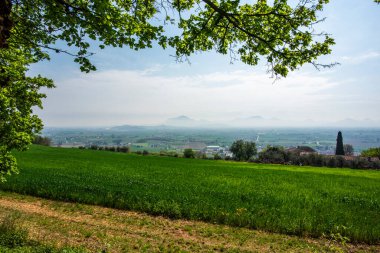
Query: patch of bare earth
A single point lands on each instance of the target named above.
(97, 228)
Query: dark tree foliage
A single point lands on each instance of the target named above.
(339, 144)
(40, 140)
(217, 157)
(278, 155)
(273, 154)
(188, 153)
(94, 147)
(243, 150)
(371, 152)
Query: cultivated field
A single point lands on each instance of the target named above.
(61, 227)
(291, 200)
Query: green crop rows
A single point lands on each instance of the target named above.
(293, 200)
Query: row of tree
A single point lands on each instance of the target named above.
(247, 151)
(122, 149)
(278, 155)
(41, 140)
(303, 155)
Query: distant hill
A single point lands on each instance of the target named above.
(185, 121)
(256, 117)
(254, 121)
(180, 121)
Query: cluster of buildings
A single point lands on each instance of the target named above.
(211, 151)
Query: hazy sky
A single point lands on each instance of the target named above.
(148, 86)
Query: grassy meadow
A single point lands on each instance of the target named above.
(303, 201)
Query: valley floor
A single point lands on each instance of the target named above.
(99, 229)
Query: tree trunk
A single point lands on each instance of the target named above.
(5, 22)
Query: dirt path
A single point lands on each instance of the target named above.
(97, 228)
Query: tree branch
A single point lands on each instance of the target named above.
(232, 19)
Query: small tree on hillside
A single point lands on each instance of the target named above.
(243, 150)
(348, 149)
(40, 140)
(273, 154)
(339, 144)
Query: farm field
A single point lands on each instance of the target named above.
(305, 201)
(63, 227)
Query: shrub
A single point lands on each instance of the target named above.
(188, 153)
(363, 163)
(44, 141)
(217, 157)
(145, 152)
(173, 154)
(371, 152)
(331, 162)
(273, 154)
(10, 235)
(124, 149)
(94, 147)
(339, 161)
(313, 160)
(376, 165)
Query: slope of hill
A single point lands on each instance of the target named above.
(292, 200)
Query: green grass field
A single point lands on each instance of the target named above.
(292, 200)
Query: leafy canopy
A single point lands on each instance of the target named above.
(278, 32)
(371, 152)
(18, 94)
(243, 150)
